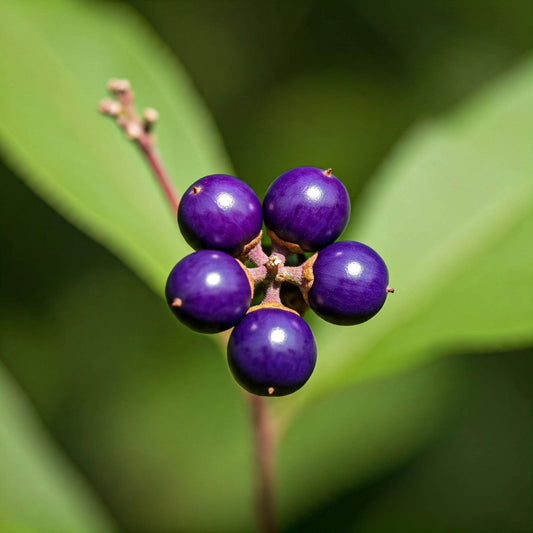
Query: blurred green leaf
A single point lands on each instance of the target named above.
(486, 452)
(452, 215)
(146, 406)
(357, 434)
(324, 115)
(77, 160)
(40, 490)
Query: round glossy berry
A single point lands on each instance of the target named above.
(220, 212)
(271, 352)
(350, 283)
(208, 291)
(307, 206)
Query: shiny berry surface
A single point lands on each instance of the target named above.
(350, 283)
(307, 206)
(271, 352)
(220, 212)
(208, 291)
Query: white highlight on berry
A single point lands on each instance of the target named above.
(277, 336)
(225, 200)
(313, 193)
(354, 269)
(213, 279)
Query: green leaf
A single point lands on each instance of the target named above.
(485, 450)
(40, 490)
(359, 433)
(146, 406)
(54, 76)
(452, 215)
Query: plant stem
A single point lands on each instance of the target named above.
(257, 256)
(290, 274)
(258, 274)
(264, 451)
(145, 143)
(272, 293)
(123, 112)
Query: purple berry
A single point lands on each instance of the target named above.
(271, 352)
(209, 291)
(307, 206)
(220, 212)
(350, 283)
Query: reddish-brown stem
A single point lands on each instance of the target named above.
(146, 145)
(264, 437)
(122, 110)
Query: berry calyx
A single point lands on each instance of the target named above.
(271, 351)
(209, 291)
(349, 283)
(306, 207)
(220, 212)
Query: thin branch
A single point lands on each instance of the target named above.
(264, 436)
(146, 144)
(122, 110)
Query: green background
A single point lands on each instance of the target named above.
(115, 417)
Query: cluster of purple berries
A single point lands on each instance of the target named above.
(271, 351)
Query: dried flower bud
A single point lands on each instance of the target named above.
(110, 107)
(133, 130)
(118, 86)
(150, 115)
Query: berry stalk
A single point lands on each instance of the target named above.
(257, 256)
(272, 294)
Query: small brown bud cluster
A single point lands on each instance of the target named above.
(150, 116)
(110, 107)
(121, 108)
(117, 86)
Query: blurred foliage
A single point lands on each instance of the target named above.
(40, 491)
(452, 214)
(52, 134)
(145, 409)
(475, 476)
